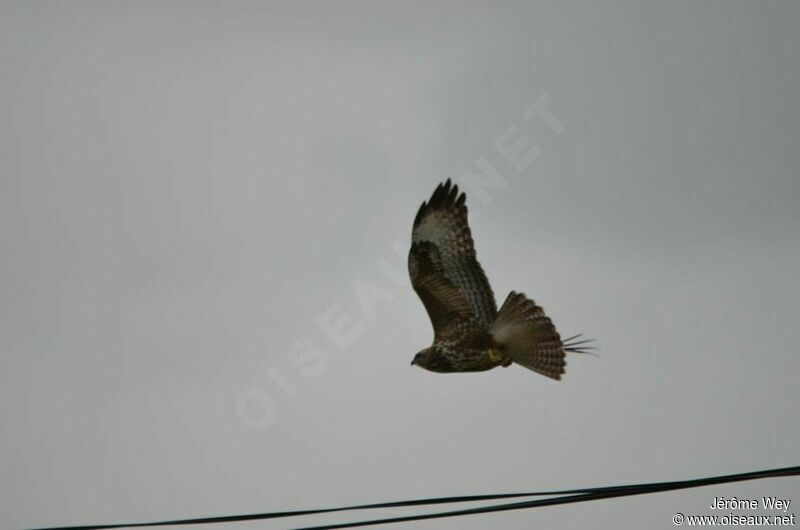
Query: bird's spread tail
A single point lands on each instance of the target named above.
(525, 335)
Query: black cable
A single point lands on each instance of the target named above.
(591, 495)
(295, 513)
(564, 497)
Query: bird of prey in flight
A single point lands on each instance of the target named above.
(470, 334)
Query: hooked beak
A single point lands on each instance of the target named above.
(413, 362)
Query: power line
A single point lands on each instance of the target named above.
(589, 495)
(558, 497)
(295, 513)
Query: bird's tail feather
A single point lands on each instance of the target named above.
(524, 334)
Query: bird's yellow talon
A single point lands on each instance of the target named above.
(495, 356)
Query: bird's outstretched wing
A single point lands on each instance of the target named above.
(444, 270)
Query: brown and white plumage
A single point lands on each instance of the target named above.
(469, 333)
(442, 233)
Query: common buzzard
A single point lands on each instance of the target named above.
(470, 335)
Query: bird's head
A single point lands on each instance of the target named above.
(420, 358)
(432, 360)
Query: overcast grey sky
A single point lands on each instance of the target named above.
(191, 192)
